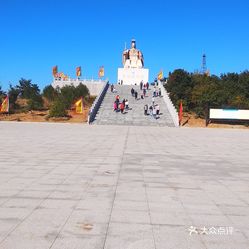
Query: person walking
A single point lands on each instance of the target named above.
(112, 87)
(117, 101)
(126, 104)
(135, 95)
(147, 85)
(159, 92)
(115, 106)
(146, 110)
(144, 92)
(153, 100)
(154, 112)
(141, 85)
(157, 111)
(132, 91)
(121, 106)
(151, 109)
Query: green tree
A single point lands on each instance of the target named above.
(81, 91)
(50, 93)
(1, 91)
(13, 95)
(206, 92)
(179, 85)
(67, 95)
(32, 93)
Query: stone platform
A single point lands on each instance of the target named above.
(74, 186)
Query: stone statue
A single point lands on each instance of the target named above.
(133, 58)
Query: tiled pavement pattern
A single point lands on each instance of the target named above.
(135, 115)
(73, 186)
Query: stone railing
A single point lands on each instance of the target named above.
(172, 110)
(96, 104)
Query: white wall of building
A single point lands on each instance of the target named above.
(94, 86)
(132, 76)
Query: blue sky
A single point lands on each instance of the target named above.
(38, 34)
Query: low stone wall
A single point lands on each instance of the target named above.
(172, 110)
(95, 86)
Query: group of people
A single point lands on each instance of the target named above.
(134, 93)
(144, 86)
(157, 92)
(120, 105)
(152, 110)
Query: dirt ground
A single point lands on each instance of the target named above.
(41, 116)
(189, 120)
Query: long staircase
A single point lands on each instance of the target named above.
(135, 114)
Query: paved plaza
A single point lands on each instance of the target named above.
(75, 186)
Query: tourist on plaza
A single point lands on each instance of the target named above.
(160, 92)
(146, 110)
(126, 104)
(112, 87)
(121, 107)
(132, 91)
(135, 93)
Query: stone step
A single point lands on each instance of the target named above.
(135, 114)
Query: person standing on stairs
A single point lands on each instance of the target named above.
(121, 106)
(157, 111)
(153, 100)
(141, 85)
(135, 95)
(154, 112)
(132, 91)
(146, 110)
(126, 104)
(147, 85)
(144, 92)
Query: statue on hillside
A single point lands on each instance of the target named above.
(133, 58)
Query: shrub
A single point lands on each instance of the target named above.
(58, 109)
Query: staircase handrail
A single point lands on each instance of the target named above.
(172, 110)
(97, 102)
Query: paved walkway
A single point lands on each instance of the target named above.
(70, 186)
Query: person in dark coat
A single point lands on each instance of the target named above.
(135, 95)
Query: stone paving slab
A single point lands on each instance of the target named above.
(76, 186)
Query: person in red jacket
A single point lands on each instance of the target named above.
(122, 106)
